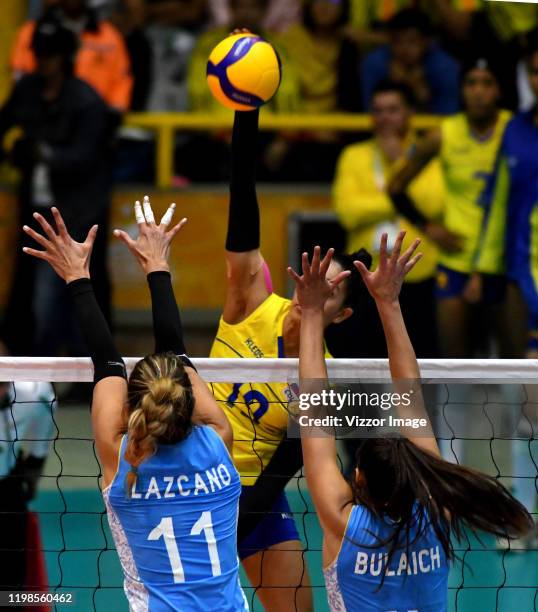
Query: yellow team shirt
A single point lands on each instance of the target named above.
(510, 19)
(365, 210)
(467, 164)
(257, 412)
(316, 65)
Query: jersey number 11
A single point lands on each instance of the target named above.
(165, 530)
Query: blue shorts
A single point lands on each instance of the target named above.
(528, 287)
(451, 283)
(275, 527)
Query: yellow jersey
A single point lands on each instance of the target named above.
(257, 412)
(467, 163)
(365, 210)
(316, 64)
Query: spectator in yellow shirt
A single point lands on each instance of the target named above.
(366, 212)
(326, 65)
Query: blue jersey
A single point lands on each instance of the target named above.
(416, 580)
(176, 535)
(510, 234)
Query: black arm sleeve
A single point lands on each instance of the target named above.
(407, 208)
(167, 327)
(166, 319)
(244, 215)
(105, 357)
(258, 499)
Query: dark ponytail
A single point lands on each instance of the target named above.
(418, 489)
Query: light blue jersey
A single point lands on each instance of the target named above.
(176, 535)
(416, 580)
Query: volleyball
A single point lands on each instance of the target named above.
(243, 72)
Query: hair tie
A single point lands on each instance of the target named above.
(133, 469)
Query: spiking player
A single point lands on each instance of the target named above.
(259, 323)
(170, 486)
(386, 536)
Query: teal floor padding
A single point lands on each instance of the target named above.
(81, 558)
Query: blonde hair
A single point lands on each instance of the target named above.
(159, 410)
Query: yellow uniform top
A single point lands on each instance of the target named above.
(511, 19)
(366, 211)
(316, 65)
(257, 412)
(467, 165)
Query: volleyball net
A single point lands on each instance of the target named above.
(486, 415)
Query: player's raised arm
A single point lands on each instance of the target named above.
(246, 283)
(330, 492)
(384, 285)
(152, 249)
(71, 261)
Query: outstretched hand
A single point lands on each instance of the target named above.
(69, 259)
(313, 287)
(385, 283)
(152, 246)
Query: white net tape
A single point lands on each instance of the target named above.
(471, 371)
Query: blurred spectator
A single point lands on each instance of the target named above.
(496, 31)
(325, 63)
(129, 18)
(172, 27)
(324, 60)
(279, 14)
(369, 18)
(366, 212)
(414, 59)
(101, 61)
(63, 158)
(27, 429)
(509, 240)
(467, 145)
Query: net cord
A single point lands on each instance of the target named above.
(79, 369)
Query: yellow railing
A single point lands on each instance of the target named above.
(166, 124)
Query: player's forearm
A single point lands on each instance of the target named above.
(311, 355)
(402, 359)
(418, 159)
(244, 215)
(167, 328)
(105, 357)
(406, 376)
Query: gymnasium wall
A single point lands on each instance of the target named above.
(197, 261)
